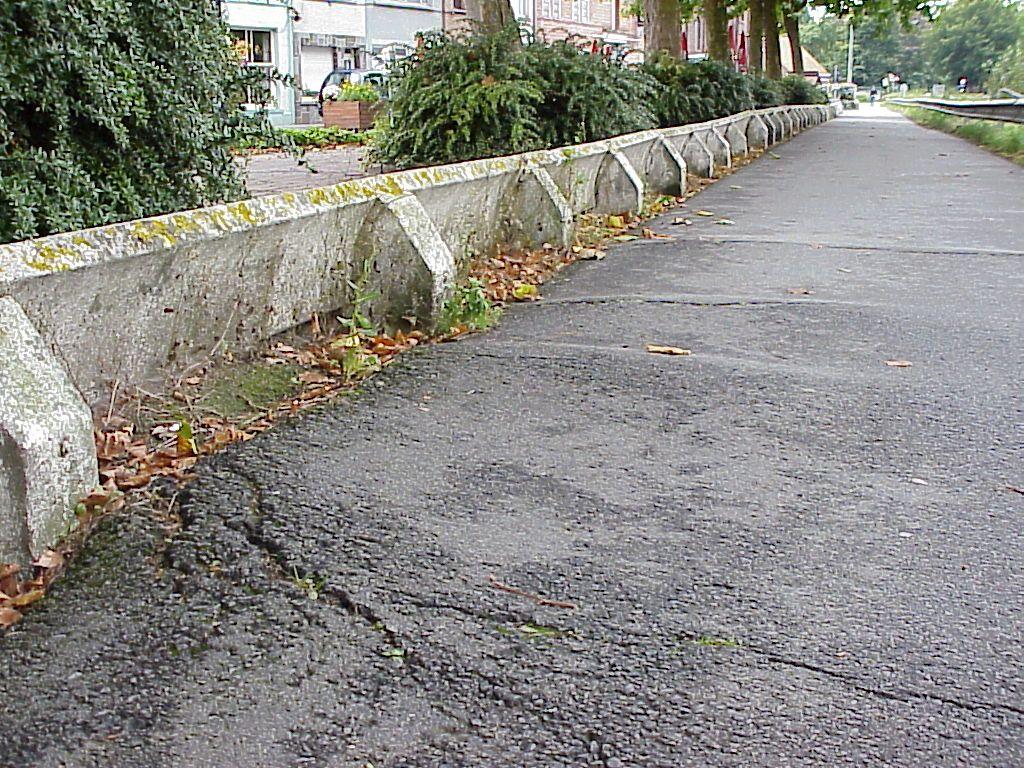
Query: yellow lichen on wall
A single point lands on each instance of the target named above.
(148, 231)
(53, 258)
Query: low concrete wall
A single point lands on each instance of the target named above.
(135, 302)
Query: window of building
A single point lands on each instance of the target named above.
(549, 9)
(255, 49)
(581, 11)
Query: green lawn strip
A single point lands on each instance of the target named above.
(1006, 139)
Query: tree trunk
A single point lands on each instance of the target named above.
(717, 20)
(772, 53)
(792, 22)
(662, 27)
(490, 15)
(755, 45)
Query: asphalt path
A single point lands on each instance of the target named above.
(545, 546)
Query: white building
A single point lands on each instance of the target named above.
(265, 29)
(307, 39)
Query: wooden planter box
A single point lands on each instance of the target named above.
(353, 115)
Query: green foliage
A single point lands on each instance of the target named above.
(881, 45)
(765, 92)
(307, 138)
(585, 97)
(693, 93)
(826, 39)
(114, 110)
(357, 92)
(970, 36)
(458, 99)
(798, 90)
(469, 308)
(1008, 71)
(1006, 139)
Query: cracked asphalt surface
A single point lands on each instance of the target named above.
(778, 551)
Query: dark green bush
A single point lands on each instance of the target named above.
(693, 93)
(120, 109)
(457, 99)
(310, 137)
(765, 92)
(587, 97)
(480, 96)
(798, 90)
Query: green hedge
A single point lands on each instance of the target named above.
(122, 109)
(797, 90)
(487, 95)
(311, 137)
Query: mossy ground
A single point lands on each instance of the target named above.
(249, 387)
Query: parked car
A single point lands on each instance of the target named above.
(375, 77)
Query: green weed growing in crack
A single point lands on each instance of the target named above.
(468, 309)
(710, 641)
(311, 584)
(350, 350)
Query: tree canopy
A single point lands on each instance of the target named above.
(969, 36)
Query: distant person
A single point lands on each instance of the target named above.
(873, 95)
(961, 85)
(904, 89)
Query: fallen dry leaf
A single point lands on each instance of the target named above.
(9, 617)
(705, 213)
(725, 222)
(660, 349)
(25, 598)
(1015, 489)
(51, 558)
(898, 363)
(650, 234)
(9, 578)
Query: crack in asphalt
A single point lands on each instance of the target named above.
(634, 299)
(278, 567)
(903, 695)
(884, 249)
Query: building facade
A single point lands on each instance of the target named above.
(308, 39)
(587, 23)
(263, 31)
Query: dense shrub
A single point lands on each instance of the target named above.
(586, 97)
(460, 98)
(799, 90)
(765, 92)
(121, 109)
(693, 93)
(479, 96)
(307, 137)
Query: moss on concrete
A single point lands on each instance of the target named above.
(250, 387)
